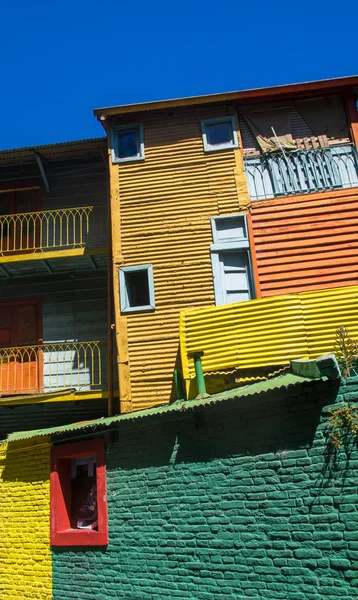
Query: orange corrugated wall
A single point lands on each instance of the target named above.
(306, 242)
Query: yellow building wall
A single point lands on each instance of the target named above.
(269, 331)
(25, 553)
(161, 209)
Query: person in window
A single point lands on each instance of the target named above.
(87, 513)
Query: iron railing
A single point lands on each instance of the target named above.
(45, 230)
(302, 171)
(52, 366)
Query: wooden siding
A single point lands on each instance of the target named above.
(306, 242)
(73, 309)
(165, 207)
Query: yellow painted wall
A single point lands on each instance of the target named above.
(161, 209)
(25, 553)
(266, 332)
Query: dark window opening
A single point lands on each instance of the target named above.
(219, 134)
(137, 287)
(84, 493)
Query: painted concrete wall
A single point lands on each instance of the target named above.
(25, 553)
(161, 209)
(240, 500)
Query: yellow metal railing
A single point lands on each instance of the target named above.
(49, 367)
(46, 229)
(267, 332)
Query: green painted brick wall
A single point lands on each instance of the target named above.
(240, 501)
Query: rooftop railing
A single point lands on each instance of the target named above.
(302, 171)
(48, 230)
(49, 367)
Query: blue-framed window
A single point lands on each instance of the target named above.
(127, 143)
(231, 260)
(219, 134)
(136, 287)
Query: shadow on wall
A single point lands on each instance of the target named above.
(283, 420)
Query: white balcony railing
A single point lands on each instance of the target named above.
(302, 171)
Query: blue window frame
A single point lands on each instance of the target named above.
(127, 143)
(136, 286)
(231, 260)
(219, 134)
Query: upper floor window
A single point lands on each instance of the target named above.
(231, 260)
(127, 143)
(219, 134)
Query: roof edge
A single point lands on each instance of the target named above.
(318, 85)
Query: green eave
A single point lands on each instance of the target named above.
(284, 382)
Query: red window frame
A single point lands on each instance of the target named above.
(60, 493)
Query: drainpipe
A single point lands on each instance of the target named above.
(109, 299)
(200, 380)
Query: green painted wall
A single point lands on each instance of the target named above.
(239, 502)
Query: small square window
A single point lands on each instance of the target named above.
(136, 288)
(78, 495)
(219, 134)
(127, 143)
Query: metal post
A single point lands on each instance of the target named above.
(200, 380)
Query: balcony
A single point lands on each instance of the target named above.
(302, 171)
(53, 367)
(50, 234)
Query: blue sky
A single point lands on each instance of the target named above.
(62, 59)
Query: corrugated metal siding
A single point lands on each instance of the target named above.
(49, 414)
(73, 309)
(306, 242)
(166, 204)
(269, 331)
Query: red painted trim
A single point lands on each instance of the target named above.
(60, 491)
(253, 256)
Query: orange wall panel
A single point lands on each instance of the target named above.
(306, 242)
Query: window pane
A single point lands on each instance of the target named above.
(235, 276)
(137, 287)
(232, 228)
(219, 134)
(127, 143)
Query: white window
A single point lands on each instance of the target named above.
(136, 288)
(127, 143)
(219, 134)
(231, 260)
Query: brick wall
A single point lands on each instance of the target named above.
(240, 501)
(25, 553)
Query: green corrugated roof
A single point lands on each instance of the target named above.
(278, 383)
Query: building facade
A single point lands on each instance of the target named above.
(54, 289)
(222, 199)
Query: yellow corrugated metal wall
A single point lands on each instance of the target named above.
(268, 331)
(165, 205)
